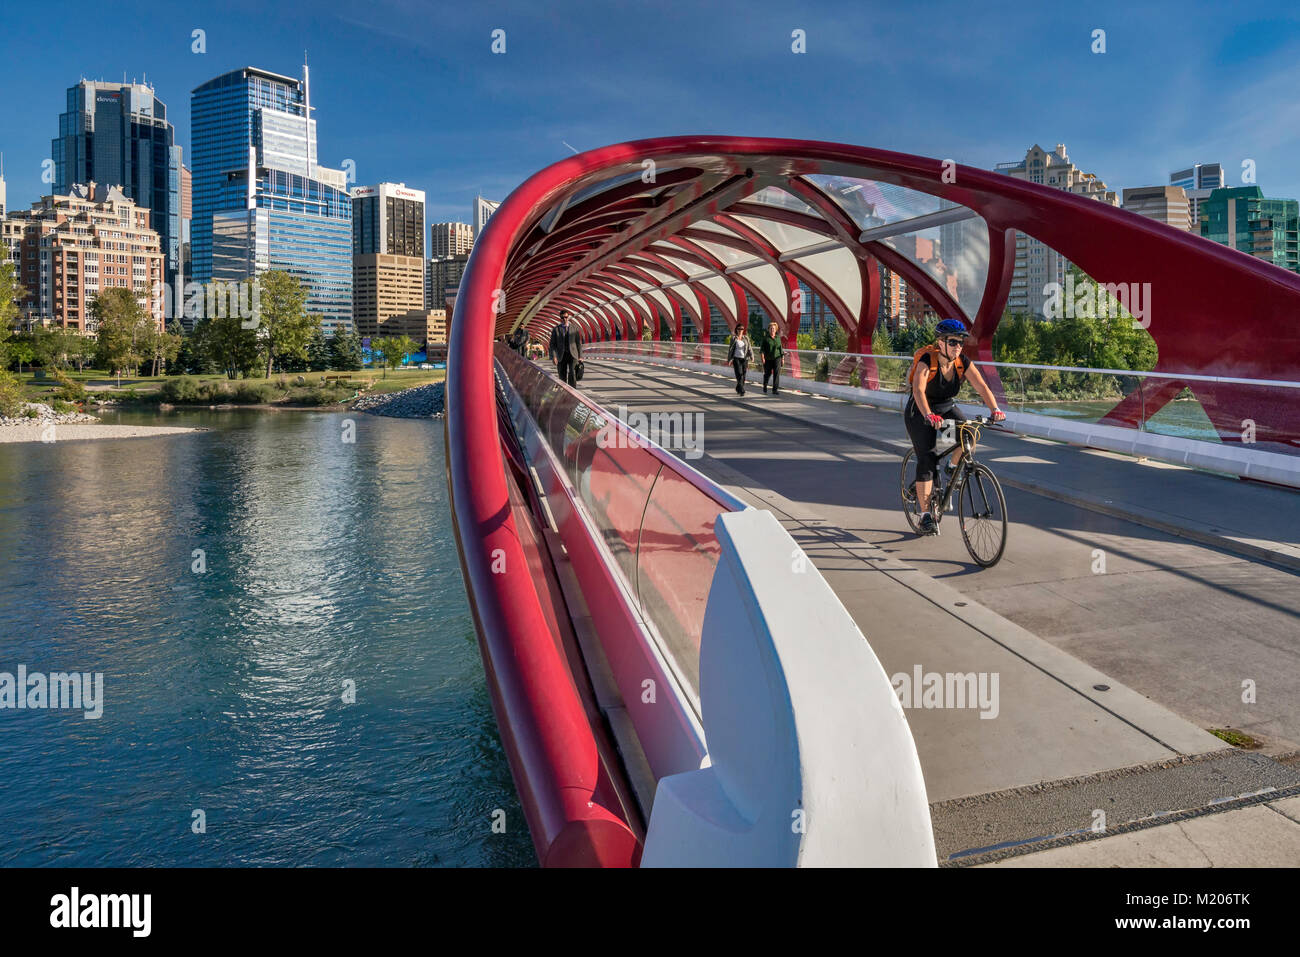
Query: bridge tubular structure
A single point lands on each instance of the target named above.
(617, 593)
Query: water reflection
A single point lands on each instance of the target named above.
(322, 562)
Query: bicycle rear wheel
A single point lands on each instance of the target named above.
(907, 486)
(982, 510)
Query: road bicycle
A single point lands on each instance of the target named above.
(981, 506)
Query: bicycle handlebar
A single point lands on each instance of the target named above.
(975, 420)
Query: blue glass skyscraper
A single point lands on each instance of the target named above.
(117, 134)
(260, 199)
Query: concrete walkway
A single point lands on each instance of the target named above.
(1101, 665)
(1263, 835)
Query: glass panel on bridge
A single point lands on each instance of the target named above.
(677, 255)
(728, 255)
(634, 280)
(838, 268)
(614, 480)
(720, 288)
(677, 558)
(784, 237)
(775, 196)
(660, 297)
(955, 253)
(871, 203)
(771, 283)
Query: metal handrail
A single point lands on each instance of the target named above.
(1183, 377)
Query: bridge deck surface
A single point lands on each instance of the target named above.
(1172, 627)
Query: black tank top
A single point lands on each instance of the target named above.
(941, 391)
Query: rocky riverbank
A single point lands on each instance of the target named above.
(38, 413)
(418, 403)
(46, 425)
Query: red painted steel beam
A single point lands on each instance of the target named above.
(689, 239)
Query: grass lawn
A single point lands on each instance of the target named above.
(399, 379)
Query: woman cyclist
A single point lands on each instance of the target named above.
(936, 376)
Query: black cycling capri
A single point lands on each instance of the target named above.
(923, 435)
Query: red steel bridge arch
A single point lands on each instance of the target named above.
(595, 234)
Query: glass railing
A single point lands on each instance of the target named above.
(1208, 408)
(654, 513)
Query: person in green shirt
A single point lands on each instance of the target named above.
(773, 351)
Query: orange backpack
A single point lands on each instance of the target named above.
(959, 364)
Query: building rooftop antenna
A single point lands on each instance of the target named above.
(306, 111)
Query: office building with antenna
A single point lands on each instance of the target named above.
(261, 201)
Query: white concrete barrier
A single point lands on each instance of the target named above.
(811, 760)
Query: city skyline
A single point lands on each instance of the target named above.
(1209, 90)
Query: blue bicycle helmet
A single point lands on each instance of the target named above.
(950, 327)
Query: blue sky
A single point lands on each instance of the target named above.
(412, 92)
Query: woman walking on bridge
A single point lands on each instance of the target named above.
(773, 351)
(739, 352)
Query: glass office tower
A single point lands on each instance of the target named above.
(260, 199)
(1245, 219)
(117, 134)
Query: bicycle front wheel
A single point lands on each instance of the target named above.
(911, 510)
(982, 510)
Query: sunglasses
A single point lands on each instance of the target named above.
(954, 342)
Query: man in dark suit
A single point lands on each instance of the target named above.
(566, 348)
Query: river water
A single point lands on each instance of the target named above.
(234, 587)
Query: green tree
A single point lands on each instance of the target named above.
(345, 353)
(125, 332)
(11, 291)
(45, 345)
(393, 349)
(832, 337)
(913, 336)
(318, 351)
(1016, 339)
(223, 342)
(63, 347)
(21, 351)
(1102, 334)
(187, 361)
(70, 347)
(167, 346)
(283, 325)
(882, 343)
(12, 397)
